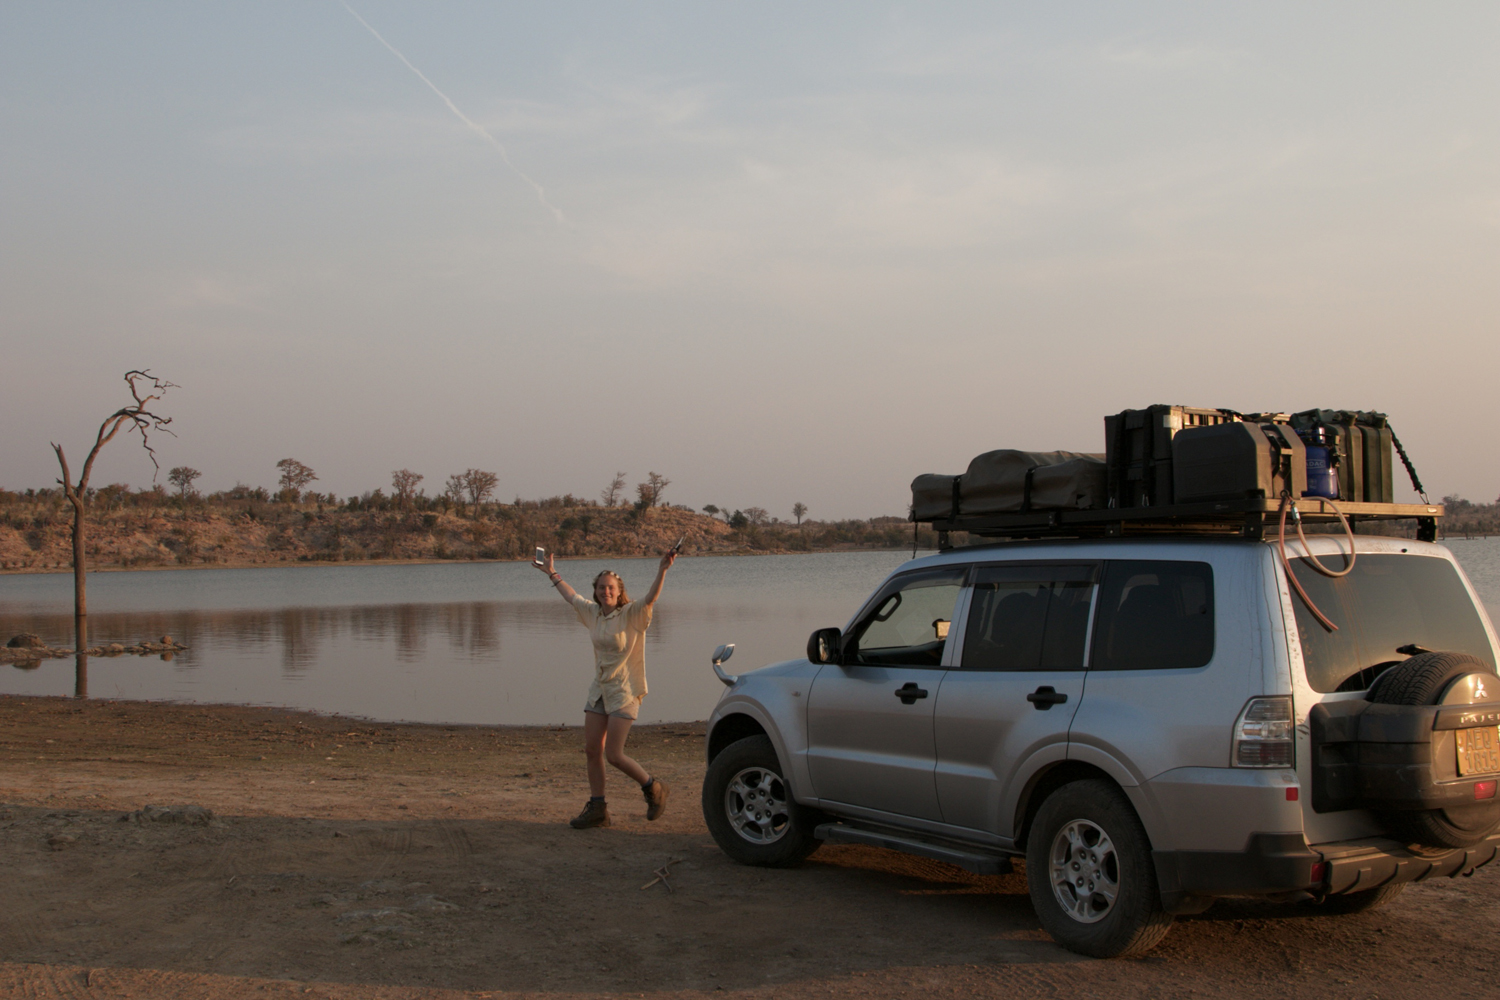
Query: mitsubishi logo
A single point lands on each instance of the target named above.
(1479, 688)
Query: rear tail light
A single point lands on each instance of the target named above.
(1263, 734)
(1319, 872)
(1484, 789)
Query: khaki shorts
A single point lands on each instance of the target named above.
(630, 710)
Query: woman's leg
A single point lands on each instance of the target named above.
(614, 750)
(594, 726)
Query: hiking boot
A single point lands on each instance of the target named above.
(656, 798)
(594, 814)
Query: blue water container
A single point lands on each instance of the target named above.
(1322, 474)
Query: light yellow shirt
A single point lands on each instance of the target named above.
(619, 651)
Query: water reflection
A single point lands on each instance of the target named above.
(461, 661)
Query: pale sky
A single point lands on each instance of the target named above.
(800, 251)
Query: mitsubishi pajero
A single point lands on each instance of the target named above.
(1150, 723)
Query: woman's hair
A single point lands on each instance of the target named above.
(624, 597)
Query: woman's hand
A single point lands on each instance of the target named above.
(667, 560)
(545, 565)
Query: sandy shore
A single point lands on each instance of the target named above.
(356, 859)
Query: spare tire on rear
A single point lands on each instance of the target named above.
(1438, 679)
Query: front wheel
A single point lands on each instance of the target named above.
(749, 808)
(1088, 866)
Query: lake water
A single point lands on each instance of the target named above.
(466, 642)
(451, 642)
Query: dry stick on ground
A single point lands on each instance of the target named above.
(662, 874)
(137, 417)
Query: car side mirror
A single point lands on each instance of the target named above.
(826, 645)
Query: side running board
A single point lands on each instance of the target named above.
(975, 861)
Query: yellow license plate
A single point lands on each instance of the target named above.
(1478, 750)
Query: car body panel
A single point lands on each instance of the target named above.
(990, 739)
(869, 748)
(775, 697)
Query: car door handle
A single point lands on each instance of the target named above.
(909, 693)
(1044, 697)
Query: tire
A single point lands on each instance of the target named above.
(1062, 855)
(1358, 902)
(749, 809)
(1423, 680)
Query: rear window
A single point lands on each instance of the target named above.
(1154, 615)
(1388, 601)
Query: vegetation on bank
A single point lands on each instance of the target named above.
(1464, 519)
(155, 527)
(250, 526)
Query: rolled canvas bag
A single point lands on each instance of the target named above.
(1077, 484)
(932, 497)
(1008, 481)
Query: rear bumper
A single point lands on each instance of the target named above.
(1357, 865)
(1284, 863)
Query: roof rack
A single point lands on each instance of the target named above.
(1230, 518)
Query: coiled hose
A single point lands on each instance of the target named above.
(1287, 503)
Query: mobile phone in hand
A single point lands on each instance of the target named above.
(678, 546)
(540, 559)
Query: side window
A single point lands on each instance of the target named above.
(907, 624)
(1154, 615)
(1029, 618)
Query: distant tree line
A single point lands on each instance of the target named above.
(470, 493)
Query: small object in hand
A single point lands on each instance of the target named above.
(678, 546)
(540, 559)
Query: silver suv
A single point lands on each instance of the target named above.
(1150, 724)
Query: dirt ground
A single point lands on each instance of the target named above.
(356, 859)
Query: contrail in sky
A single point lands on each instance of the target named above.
(541, 193)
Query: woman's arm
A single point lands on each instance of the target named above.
(661, 577)
(567, 592)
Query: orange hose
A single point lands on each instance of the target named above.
(1286, 563)
(1314, 559)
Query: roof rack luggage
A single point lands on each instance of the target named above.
(1183, 470)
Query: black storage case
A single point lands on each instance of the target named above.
(1238, 461)
(1138, 450)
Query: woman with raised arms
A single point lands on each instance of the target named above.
(617, 625)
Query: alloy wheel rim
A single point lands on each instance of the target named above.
(755, 802)
(1085, 871)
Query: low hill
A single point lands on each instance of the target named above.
(35, 533)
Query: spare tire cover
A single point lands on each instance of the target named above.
(1442, 678)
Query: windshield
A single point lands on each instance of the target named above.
(1387, 602)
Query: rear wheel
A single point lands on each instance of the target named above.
(1089, 869)
(749, 807)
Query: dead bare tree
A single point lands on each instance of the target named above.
(611, 493)
(145, 389)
